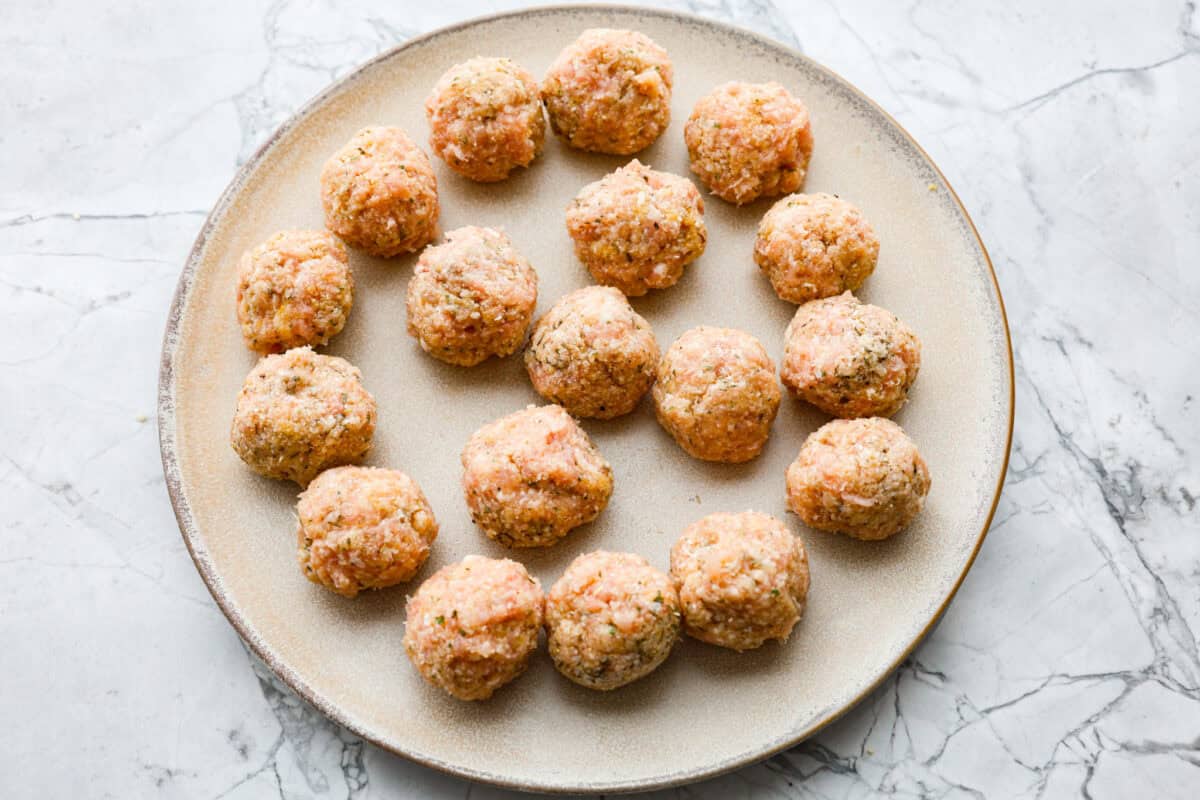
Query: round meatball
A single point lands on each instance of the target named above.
(611, 619)
(532, 476)
(299, 413)
(637, 228)
(850, 359)
(749, 140)
(485, 118)
(472, 297)
(472, 626)
(380, 194)
(861, 477)
(609, 91)
(716, 393)
(294, 289)
(815, 245)
(363, 528)
(742, 579)
(592, 354)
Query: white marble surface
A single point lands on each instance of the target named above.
(1068, 664)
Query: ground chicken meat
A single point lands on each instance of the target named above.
(861, 477)
(485, 118)
(850, 359)
(530, 477)
(472, 626)
(609, 91)
(742, 579)
(363, 528)
(380, 194)
(717, 394)
(611, 619)
(592, 354)
(472, 297)
(294, 289)
(815, 245)
(749, 140)
(637, 228)
(299, 413)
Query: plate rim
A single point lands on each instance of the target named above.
(212, 581)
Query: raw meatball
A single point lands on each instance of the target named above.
(485, 118)
(294, 289)
(472, 297)
(860, 477)
(592, 354)
(609, 91)
(380, 193)
(636, 228)
(742, 579)
(850, 359)
(815, 245)
(611, 619)
(717, 394)
(749, 140)
(363, 528)
(472, 626)
(532, 476)
(300, 413)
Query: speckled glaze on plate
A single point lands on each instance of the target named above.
(707, 710)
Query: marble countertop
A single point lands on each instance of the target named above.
(1068, 664)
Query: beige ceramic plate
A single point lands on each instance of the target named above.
(706, 710)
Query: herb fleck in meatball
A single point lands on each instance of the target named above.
(472, 297)
(742, 579)
(473, 625)
(380, 194)
(485, 118)
(815, 245)
(592, 354)
(363, 528)
(717, 394)
(609, 91)
(530, 477)
(749, 140)
(294, 289)
(861, 477)
(850, 359)
(611, 619)
(300, 413)
(637, 228)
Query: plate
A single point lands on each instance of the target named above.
(706, 710)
